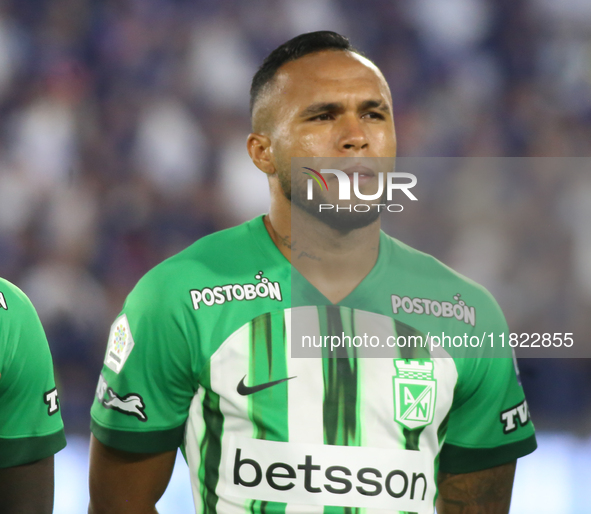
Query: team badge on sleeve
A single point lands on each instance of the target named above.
(120, 344)
(414, 393)
(131, 404)
(509, 417)
(51, 400)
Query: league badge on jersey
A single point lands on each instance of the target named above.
(415, 391)
(120, 344)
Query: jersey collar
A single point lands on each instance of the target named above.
(304, 293)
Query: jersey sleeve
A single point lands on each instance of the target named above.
(31, 427)
(489, 422)
(146, 385)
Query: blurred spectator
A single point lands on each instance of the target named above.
(170, 146)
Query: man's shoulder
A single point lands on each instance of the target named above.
(13, 301)
(440, 277)
(223, 254)
(21, 333)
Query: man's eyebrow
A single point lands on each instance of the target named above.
(321, 107)
(380, 105)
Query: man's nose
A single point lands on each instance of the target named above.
(353, 135)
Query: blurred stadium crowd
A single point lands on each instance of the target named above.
(122, 140)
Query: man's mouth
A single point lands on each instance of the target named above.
(364, 174)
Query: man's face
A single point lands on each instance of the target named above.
(336, 105)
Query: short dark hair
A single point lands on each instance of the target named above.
(293, 49)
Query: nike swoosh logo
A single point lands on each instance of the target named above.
(245, 390)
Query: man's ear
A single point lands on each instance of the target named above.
(259, 149)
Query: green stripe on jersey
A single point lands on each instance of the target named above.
(211, 451)
(267, 363)
(268, 407)
(340, 409)
(341, 368)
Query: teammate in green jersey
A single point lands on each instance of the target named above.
(200, 357)
(31, 428)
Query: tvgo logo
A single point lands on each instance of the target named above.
(392, 182)
(317, 474)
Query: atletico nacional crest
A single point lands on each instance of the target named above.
(415, 392)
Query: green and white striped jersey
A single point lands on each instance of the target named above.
(201, 357)
(31, 426)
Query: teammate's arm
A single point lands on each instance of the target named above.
(481, 492)
(127, 483)
(27, 488)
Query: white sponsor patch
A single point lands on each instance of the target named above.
(120, 344)
(3, 302)
(218, 295)
(429, 307)
(316, 474)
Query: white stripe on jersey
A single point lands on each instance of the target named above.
(378, 428)
(194, 432)
(227, 367)
(305, 420)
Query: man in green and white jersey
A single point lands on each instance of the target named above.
(31, 428)
(202, 355)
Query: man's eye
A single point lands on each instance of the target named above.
(322, 117)
(374, 115)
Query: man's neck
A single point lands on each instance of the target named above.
(333, 262)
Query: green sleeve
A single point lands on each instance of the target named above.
(489, 423)
(31, 427)
(146, 384)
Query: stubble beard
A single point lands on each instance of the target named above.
(343, 221)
